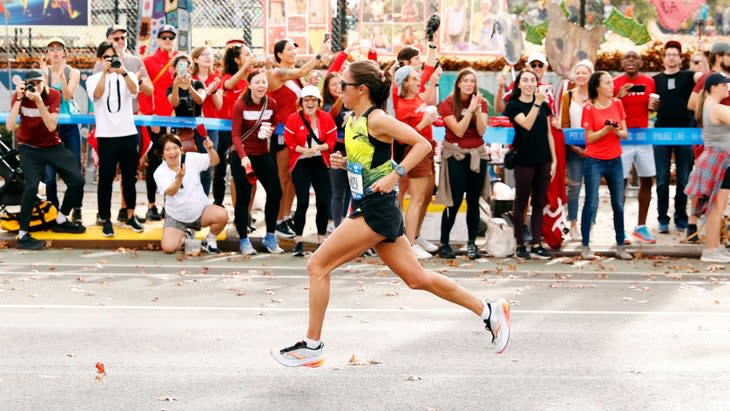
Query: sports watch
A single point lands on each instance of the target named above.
(400, 170)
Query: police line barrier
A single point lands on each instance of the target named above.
(497, 135)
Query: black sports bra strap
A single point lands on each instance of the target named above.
(368, 111)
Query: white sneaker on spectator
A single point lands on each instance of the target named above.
(421, 254)
(427, 245)
(716, 255)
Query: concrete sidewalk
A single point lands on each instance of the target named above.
(602, 238)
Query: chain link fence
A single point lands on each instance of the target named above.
(213, 23)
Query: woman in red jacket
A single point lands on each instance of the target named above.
(310, 135)
(252, 117)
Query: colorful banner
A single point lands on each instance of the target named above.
(627, 27)
(156, 13)
(44, 12)
(304, 21)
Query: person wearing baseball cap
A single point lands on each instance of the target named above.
(538, 64)
(39, 145)
(65, 79)
(114, 29)
(160, 69)
(233, 42)
(310, 135)
(285, 87)
(673, 88)
(710, 177)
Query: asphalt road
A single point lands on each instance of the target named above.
(195, 334)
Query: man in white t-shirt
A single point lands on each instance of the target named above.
(112, 91)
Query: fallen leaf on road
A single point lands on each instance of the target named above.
(413, 378)
(155, 299)
(715, 267)
(168, 399)
(390, 293)
(355, 361)
(70, 355)
(100, 372)
(276, 301)
(717, 302)
(361, 289)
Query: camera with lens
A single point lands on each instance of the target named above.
(612, 123)
(29, 86)
(115, 62)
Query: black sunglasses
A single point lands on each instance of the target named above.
(536, 64)
(167, 37)
(344, 84)
(696, 61)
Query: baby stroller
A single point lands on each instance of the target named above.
(11, 194)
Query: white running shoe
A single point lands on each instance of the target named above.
(716, 255)
(427, 245)
(299, 355)
(421, 254)
(498, 323)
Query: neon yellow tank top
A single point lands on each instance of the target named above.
(367, 156)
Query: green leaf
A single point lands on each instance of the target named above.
(536, 33)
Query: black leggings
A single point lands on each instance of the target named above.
(153, 161)
(219, 172)
(266, 173)
(463, 180)
(311, 172)
(530, 181)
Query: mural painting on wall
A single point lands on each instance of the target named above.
(304, 21)
(156, 13)
(467, 26)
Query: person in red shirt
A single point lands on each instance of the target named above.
(39, 145)
(412, 110)
(252, 122)
(464, 156)
(284, 87)
(310, 135)
(634, 89)
(604, 120)
(159, 67)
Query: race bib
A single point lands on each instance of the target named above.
(280, 139)
(354, 177)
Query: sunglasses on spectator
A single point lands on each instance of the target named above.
(696, 61)
(119, 38)
(536, 64)
(167, 37)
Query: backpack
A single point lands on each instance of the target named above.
(42, 218)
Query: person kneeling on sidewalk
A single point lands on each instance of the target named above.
(39, 145)
(186, 205)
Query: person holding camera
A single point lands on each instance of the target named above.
(186, 205)
(112, 91)
(252, 125)
(159, 67)
(634, 90)
(604, 120)
(39, 145)
(535, 160)
(65, 79)
(186, 96)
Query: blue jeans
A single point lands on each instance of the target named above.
(684, 160)
(574, 167)
(612, 170)
(71, 138)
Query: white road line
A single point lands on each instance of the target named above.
(346, 276)
(99, 254)
(351, 310)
